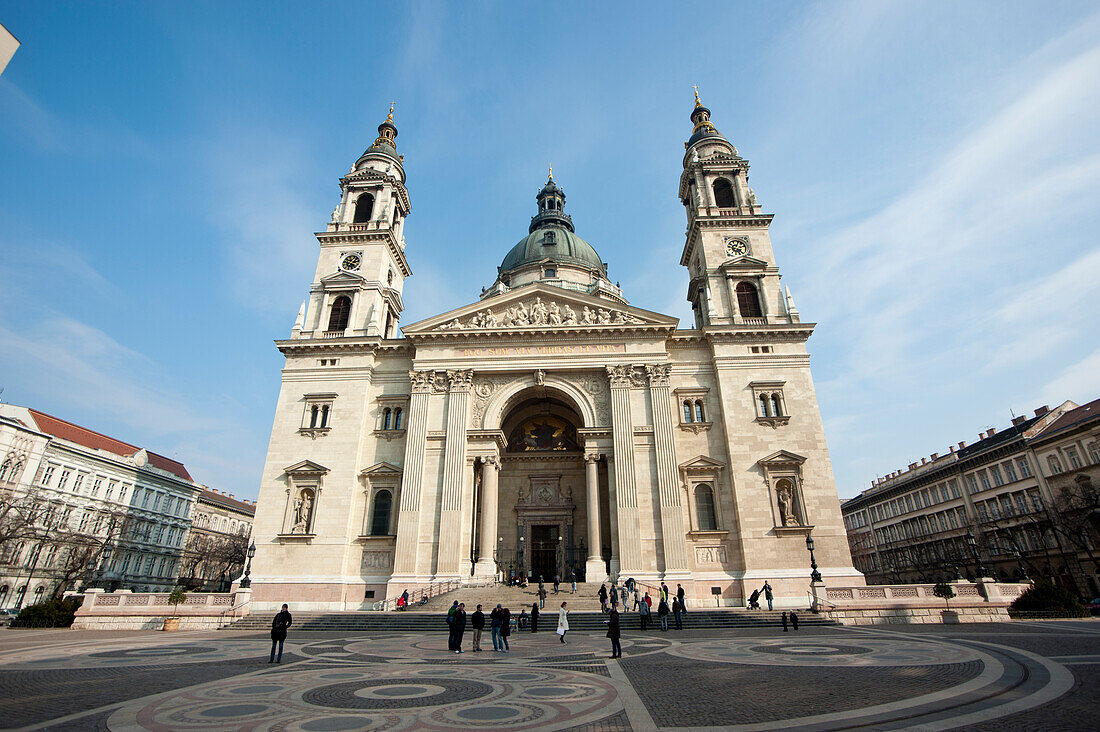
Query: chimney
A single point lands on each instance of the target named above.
(1017, 421)
(952, 449)
(924, 461)
(935, 456)
(962, 444)
(1042, 410)
(992, 431)
(981, 436)
(912, 465)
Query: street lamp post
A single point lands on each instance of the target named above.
(977, 554)
(815, 576)
(246, 581)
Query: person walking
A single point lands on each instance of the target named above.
(477, 622)
(637, 598)
(625, 594)
(643, 614)
(783, 619)
(677, 609)
(662, 614)
(495, 618)
(603, 598)
(767, 593)
(542, 594)
(680, 597)
(572, 577)
(451, 625)
(613, 633)
(279, 625)
(664, 592)
(648, 601)
(534, 617)
(794, 620)
(505, 628)
(563, 622)
(557, 581)
(458, 626)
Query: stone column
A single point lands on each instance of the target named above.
(612, 509)
(490, 469)
(454, 462)
(671, 511)
(594, 567)
(626, 494)
(416, 437)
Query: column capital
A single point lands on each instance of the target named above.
(491, 461)
(421, 381)
(460, 379)
(658, 373)
(592, 457)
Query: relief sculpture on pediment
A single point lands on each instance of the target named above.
(541, 313)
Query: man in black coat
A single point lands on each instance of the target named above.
(279, 624)
(794, 620)
(613, 633)
(534, 617)
(680, 597)
(458, 627)
(477, 622)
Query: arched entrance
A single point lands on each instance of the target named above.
(542, 509)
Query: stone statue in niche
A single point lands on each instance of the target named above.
(303, 508)
(785, 497)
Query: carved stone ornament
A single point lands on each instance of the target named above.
(421, 381)
(540, 377)
(658, 374)
(541, 313)
(491, 461)
(460, 380)
(592, 457)
(619, 375)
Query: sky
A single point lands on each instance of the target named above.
(933, 170)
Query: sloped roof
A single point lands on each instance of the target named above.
(1073, 417)
(221, 499)
(90, 438)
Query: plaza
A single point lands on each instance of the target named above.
(1008, 676)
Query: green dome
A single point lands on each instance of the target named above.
(561, 246)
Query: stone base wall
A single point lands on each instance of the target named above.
(915, 615)
(125, 610)
(147, 622)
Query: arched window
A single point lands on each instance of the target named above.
(380, 516)
(19, 595)
(5, 469)
(38, 594)
(341, 311)
(764, 406)
(699, 416)
(364, 207)
(704, 507)
(723, 194)
(777, 411)
(3, 595)
(397, 418)
(324, 415)
(314, 415)
(687, 411)
(386, 415)
(748, 301)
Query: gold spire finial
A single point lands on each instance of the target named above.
(389, 117)
(551, 171)
(698, 102)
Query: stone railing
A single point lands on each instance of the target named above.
(125, 610)
(973, 601)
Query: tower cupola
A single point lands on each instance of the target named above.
(384, 147)
(551, 200)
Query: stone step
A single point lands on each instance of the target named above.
(412, 621)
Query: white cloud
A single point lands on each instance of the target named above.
(1079, 381)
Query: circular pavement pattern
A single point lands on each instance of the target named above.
(852, 651)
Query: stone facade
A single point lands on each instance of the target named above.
(123, 509)
(550, 426)
(1022, 493)
(215, 550)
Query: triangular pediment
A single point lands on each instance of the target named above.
(782, 457)
(744, 262)
(702, 463)
(306, 467)
(381, 470)
(342, 278)
(540, 307)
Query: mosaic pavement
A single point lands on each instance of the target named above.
(816, 679)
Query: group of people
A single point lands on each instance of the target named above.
(500, 625)
(754, 598)
(667, 604)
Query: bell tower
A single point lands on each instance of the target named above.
(728, 252)
(362, 268)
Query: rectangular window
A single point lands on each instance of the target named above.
(983, 512)
(1021, 502)
(145, 498)
(1094, 453)
(1025, 469)
(63, 480)
(1074, 460)
(551, 272)
(77, 482)
(909, 502)
(156, 501)
(1010, 471)
(972, 484)
(996, 473)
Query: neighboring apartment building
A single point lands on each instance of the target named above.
(215, 553)
(1019, 502)
(79, 508)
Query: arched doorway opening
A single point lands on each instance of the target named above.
(542, 509)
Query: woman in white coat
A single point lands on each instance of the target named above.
(563, 622)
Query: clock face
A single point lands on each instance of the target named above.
(351, 262)
(736, 248)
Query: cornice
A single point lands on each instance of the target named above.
(780, 332)
(360, 237)
(552, 336)
(698, 222)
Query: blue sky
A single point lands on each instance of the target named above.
(933, 169)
